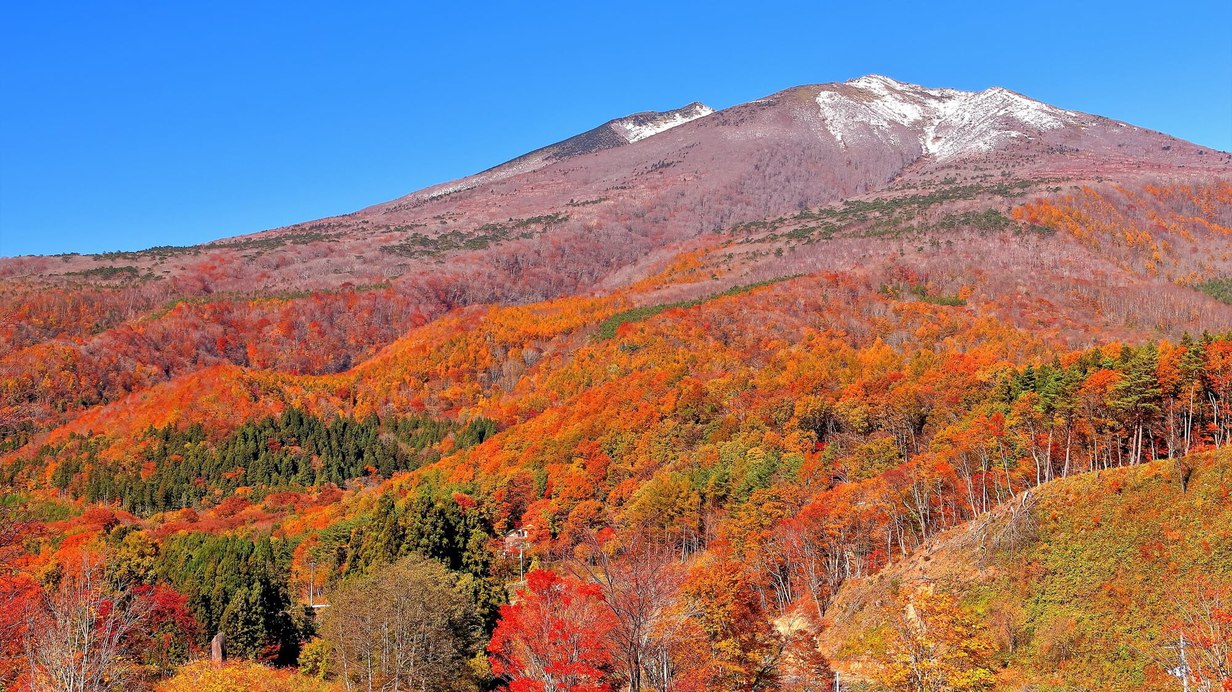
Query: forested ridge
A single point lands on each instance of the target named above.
(829, 462)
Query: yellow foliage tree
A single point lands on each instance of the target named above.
(203, 676)
(937, 646)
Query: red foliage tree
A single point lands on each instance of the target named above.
(553, 638)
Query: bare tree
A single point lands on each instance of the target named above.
(1200, 652)
(75, 636)
(641, 583)
(405, 627)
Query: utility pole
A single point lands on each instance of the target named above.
(1181, 671)
(518, 536)
(312, 572)
(1184, 665)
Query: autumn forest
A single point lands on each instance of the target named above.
(671, 415)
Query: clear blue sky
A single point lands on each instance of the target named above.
(130, 124)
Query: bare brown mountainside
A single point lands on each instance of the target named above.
(610, 196)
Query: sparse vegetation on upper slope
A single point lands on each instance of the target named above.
(607, 328)
(1219, 289)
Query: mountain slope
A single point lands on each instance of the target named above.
(1083, 583)
(986, 193)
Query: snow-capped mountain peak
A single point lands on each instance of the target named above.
(943, 122)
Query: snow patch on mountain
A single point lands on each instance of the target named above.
(943, 122)
(637, 127)
(626, 130)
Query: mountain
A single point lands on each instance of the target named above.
(709, 370)
(799, 148)
(871, 173)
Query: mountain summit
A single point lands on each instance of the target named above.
(701, 169)
(946, 122)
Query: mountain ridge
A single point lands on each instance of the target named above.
(613, 133)
(1106, 142)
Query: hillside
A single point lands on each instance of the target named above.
(679, 387)
(1051, 219)
(1083, 583)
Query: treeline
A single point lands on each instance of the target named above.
(1123, 407)
(180, 468)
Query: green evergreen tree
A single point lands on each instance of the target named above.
(243, 622)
